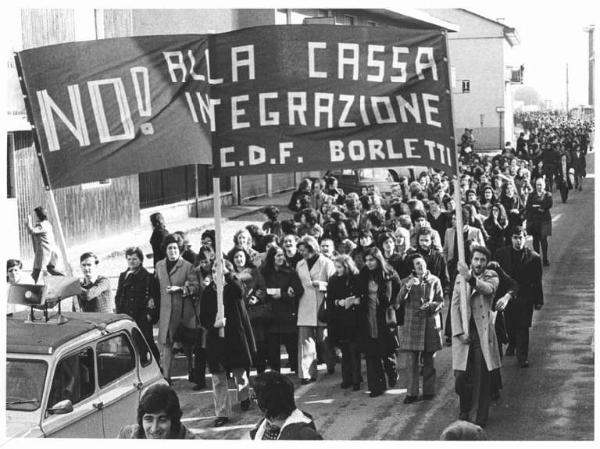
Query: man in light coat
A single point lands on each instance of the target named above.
(314, 271)
(474, 344)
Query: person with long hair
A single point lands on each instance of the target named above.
(159, 232)
(283, 288)
(314, 271)
(44, 245)
(509, 198)
(243, 239)
(539, 220)
(422, 298)
(487, 200)
(343, 318)
(495, 226)
(256, 303)
(304, 190)
(158, 417)
(177, 285)
(136, 291)
(378, 288)
(233, 352)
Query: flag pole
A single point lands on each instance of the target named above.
(62, 245)
(218, 252)
(458, 204)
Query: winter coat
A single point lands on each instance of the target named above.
(156, 240)
(285, 309)
(238, 347)
(579, 164)
(174, 308)
(298, 426)
(133, 294)
(480, 299)
(540, 215)
(254, 287)
(526, 269)
(387, 296)
(473, 234)
(44, 245)
(311, 299)
(342, 323)
(496, 234)
(422, 330)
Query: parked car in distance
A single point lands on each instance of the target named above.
(82, 378)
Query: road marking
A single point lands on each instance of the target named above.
(556, 218)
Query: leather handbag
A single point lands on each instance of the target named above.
(188, 335)
(322, 313)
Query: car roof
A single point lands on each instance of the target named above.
(42, 338)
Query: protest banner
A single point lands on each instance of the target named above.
(257, 100)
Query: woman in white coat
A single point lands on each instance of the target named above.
(314, 271)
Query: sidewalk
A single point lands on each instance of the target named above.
(113, 246)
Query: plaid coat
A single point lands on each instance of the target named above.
(422, 331)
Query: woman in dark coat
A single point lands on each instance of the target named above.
(539, 220)
(509, 198)
(159, 232)
(304, 190)
(283, 289)
(495, 226)
(343, 318)
(137, 296)
(378, 288)
(234, 351)
(256, 303)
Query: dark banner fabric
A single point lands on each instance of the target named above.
(257, 100)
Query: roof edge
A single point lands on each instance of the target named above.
(418, 15)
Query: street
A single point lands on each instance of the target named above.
(551, 400)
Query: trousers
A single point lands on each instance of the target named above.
(310, 340)
(378, 365)
(412, 373)
(221, 390)
(518, 339)
(290, 341)
(350, 362)
(473, 386)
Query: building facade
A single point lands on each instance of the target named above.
(482, 78)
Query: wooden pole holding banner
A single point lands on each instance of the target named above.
(464, 303)
(62, 245)
(219, 281)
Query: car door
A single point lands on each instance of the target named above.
(74, 379)
(148, 369)
(118, 382)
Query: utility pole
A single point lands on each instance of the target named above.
(567, 88)
(590, 31)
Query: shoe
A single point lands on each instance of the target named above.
(345, 385)
(199, 386)
(307, 381)
(463, 416)
(428, 397)
(510, 351)
(410, 399)
(374, 394)
(524, 364)
(546, 263)
(245, 405)
(221, 421)
(356, 387)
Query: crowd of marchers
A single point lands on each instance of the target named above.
(353, 276)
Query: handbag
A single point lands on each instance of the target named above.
(262, 310)
(188, 335)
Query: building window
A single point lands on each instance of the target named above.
(371, 23)
(322, 13)
(466, 86)
(95, 185)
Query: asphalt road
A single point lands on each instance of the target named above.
(551, 400)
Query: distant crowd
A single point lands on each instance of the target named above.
(357, 275)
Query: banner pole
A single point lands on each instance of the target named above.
(62, 245)
(457, 201)
(218, 252)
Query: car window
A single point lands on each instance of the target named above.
(115, 358)
(25, 384)
(379, 174)
(73, 378)
(142, 348)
